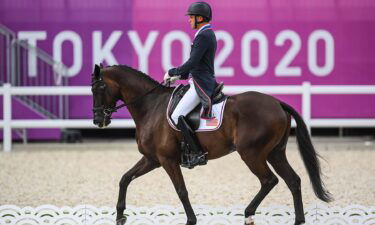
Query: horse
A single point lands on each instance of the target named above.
(255, 125)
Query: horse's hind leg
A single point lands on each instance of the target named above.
(268, 180)
(279, 162)
(142, 167)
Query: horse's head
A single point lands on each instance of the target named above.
(104, 98)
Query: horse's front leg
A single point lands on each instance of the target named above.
(142, 167)
(173, 169)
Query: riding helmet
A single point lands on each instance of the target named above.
(200, 9)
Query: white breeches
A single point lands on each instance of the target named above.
(188, 102)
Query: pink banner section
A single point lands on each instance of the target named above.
(278, 42)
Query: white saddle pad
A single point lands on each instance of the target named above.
(206, 125)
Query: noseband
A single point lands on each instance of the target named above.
(106, 111)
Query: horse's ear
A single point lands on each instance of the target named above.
(97, 71)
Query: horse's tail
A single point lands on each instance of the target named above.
(309, 155)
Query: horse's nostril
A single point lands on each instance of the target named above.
(97, 121)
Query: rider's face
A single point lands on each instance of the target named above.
(192, 21)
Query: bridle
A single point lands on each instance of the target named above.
(107, 111)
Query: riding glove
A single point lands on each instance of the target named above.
(170, 79)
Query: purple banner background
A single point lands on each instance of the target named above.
(351, 23)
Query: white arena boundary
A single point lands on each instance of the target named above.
(306, 90)
(317, 214)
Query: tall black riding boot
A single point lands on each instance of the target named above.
(192, 154)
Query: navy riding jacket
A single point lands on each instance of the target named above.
(200, 64)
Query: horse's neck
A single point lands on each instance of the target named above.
(149, 107)
(132, 92)
(142, 102)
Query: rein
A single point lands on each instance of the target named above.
(109, 111)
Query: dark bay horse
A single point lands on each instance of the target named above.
(255, 125)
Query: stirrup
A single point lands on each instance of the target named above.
(190, 160)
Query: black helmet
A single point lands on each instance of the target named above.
(200, 9)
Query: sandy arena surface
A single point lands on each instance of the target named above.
(88, 173)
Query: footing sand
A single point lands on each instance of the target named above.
(89, 173)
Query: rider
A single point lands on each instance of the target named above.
(200, 69)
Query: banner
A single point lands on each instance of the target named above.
(282, 42)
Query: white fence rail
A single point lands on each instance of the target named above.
(167, 215)
(306, 90)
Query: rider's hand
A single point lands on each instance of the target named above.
(169, 79)
(166, 77)
(173, 79)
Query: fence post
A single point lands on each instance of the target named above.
(13, 63)
(306, 104)
(8, 57)
(7, 115)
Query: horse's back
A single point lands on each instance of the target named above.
(256, 103)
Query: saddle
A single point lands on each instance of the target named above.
(193, 118)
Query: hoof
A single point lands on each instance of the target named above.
(121, 221)
(299, 222)
(249, 220)
(191, 222)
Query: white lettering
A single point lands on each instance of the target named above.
(254, 35)
(329, 53)
(31, 38)
(143, 51)
(77, 50)
(167, 47)
(221, 71)
(104, 52)
(283, 68)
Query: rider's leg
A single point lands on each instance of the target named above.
(188, 102)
